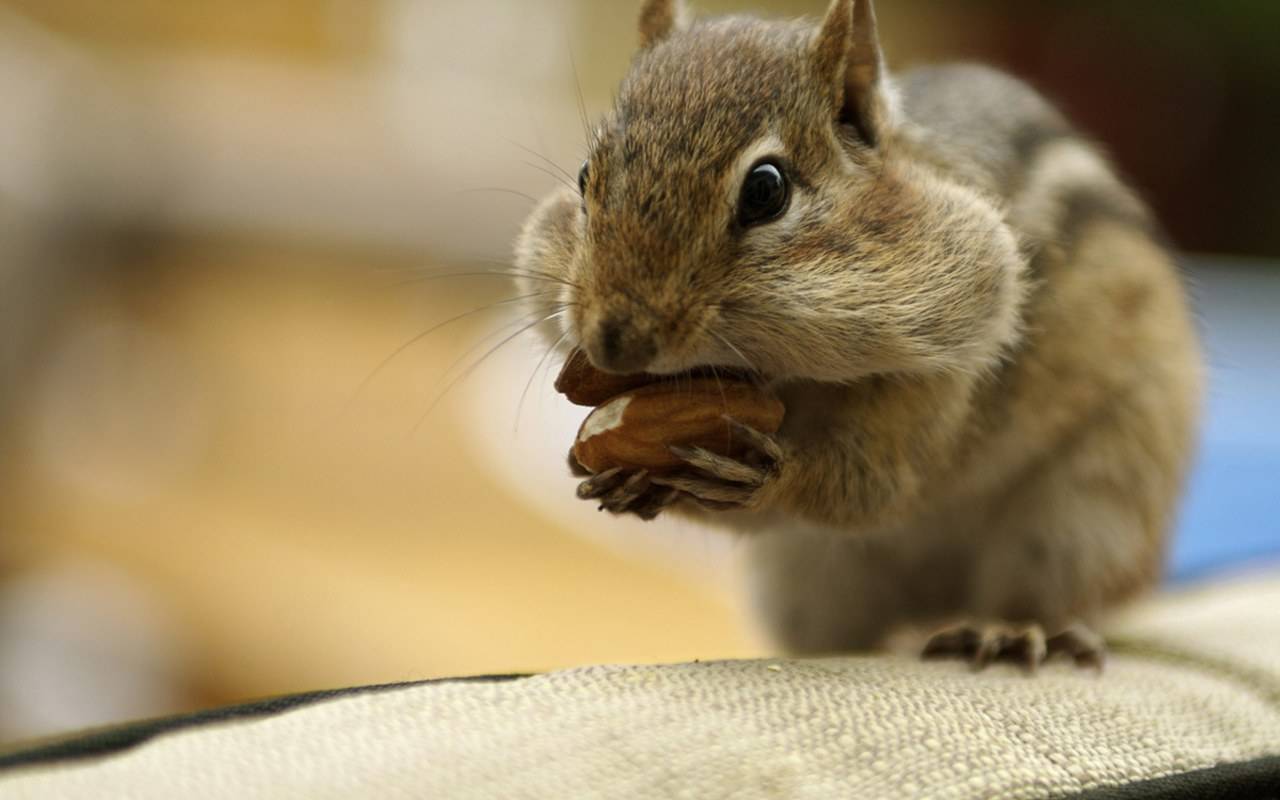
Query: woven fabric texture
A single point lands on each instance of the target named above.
(1194, 682)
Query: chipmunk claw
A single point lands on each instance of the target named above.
(601, 484)
(623, 495)
(622, 492)
(1083, 645)
(982, 643)
(721, 482)
(721, 467)
(763, 444)
(654, 502)
(709, 493)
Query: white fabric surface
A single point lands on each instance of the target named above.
(1196, 682)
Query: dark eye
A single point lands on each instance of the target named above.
(583, 174)
(765, 194)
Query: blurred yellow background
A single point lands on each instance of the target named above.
(217, 220)
(224, 245)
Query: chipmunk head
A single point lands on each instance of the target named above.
(752, 200)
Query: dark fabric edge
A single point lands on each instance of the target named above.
(1242, 780)
(117, 739)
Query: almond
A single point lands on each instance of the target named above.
(636, 429)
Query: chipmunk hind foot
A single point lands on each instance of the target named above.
(983, 642)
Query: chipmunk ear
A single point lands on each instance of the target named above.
(847, 58)
(659, 19)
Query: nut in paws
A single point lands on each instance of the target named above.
(661, 427)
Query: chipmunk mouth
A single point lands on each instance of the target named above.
(721, 372)
(691, 368)
(585, 384)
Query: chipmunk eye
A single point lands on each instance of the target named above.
(583, 174)
(765, 194)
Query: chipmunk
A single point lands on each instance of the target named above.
(990, 372)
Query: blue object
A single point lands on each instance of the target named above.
(1231, 517)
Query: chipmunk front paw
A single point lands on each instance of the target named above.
(721, 482)
(981, 643)
(708, 479)
(628, 492)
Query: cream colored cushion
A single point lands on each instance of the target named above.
(1194, 682)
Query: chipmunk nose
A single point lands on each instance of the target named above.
(619, 346)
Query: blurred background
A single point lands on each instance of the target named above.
(217, 220)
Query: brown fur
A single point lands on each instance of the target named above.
(991, 378)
